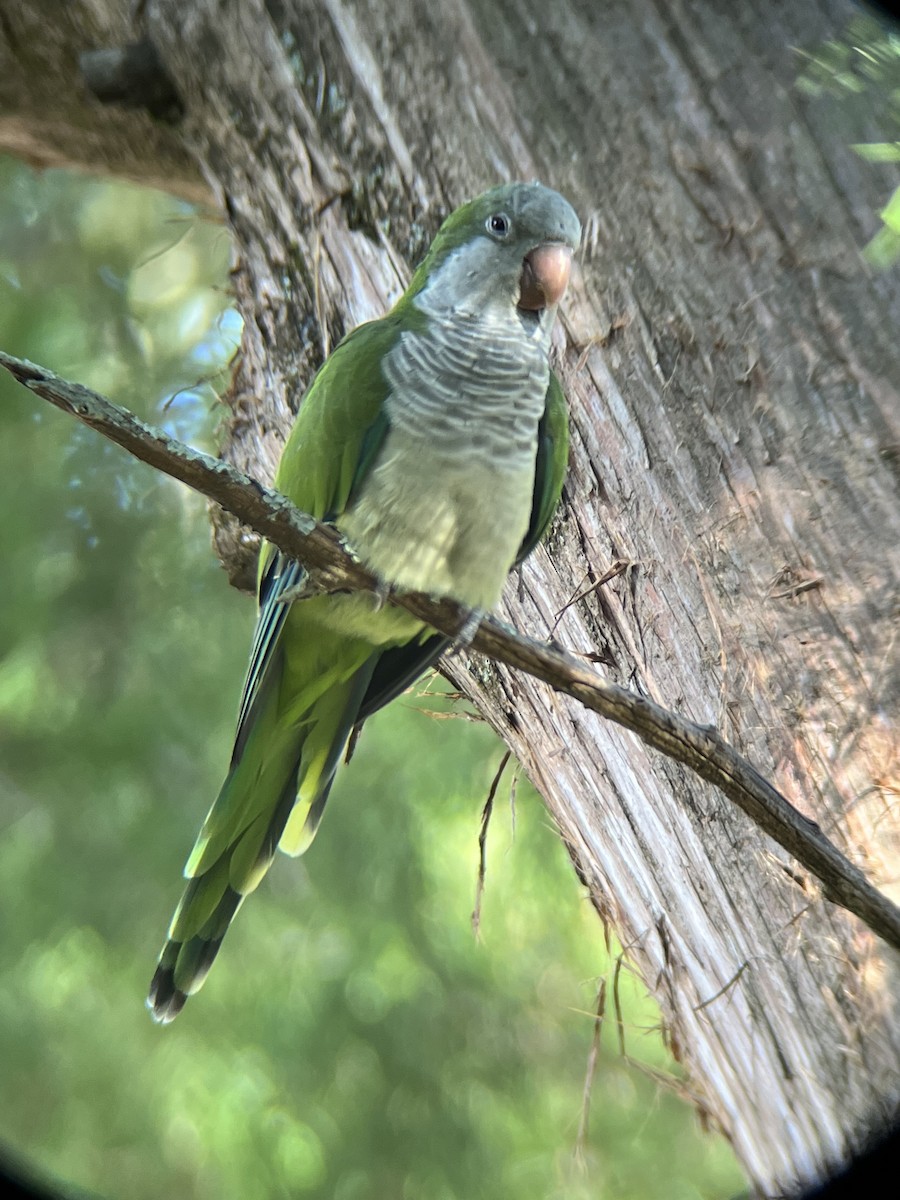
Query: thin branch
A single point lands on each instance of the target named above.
(482, 841)
(593, 1055)
(317, 546)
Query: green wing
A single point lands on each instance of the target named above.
(550, 466)
(306, 682)
(341, 423)
(332, 446)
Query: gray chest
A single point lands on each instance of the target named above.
(448, 501)
(471, 387)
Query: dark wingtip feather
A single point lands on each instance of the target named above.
(183, 966)
(164, 1000)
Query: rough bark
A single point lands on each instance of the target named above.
(50, 117)
(731, 369)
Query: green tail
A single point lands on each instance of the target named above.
(284, 765)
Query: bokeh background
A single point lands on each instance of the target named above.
(355, 1040)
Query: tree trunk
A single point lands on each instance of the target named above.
(731, 370)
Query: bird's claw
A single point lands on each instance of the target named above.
(382, 593)
(301, 590)
(469, 628)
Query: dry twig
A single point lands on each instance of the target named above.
(482, 840)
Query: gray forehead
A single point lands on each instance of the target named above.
(538, 211)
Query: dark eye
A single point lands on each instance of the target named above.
(498, 225)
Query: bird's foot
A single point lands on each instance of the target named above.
(469, 628)
(381, 593)
(301, 590)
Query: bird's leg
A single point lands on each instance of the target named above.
(305, 587)
(319, 582)
(468, 629)
(381, 593)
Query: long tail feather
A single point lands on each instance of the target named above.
(207, 908)
(183, 966)
(280, 781)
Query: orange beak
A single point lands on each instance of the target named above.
(545, 274)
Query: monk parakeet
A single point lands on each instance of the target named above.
(435, 440)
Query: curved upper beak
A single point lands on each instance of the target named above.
(545, 274)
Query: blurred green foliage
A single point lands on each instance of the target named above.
(863, 64)
(354, 1040)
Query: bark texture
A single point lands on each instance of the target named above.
(732, 374)
(49, 115)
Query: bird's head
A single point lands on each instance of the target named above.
(509, 248)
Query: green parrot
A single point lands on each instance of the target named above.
(435, 440)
